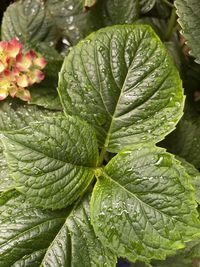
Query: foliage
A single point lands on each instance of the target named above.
(99, 164)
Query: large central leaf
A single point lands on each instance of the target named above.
(143, 204)
(123, 82)
(52, 161)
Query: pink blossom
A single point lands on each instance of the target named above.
(19, 70)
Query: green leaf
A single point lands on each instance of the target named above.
(118, 12)
(189, 20)
(195, 174)
(122, 81)
(45, 93)
(48, 52)
(52, 161)
(185, 140)
(76, 243)
(74, 23)
(147, 5)
(143, 204)
(190, 256)
(161, 10)
(30, 22)
(15, 115)
(34, 237)
(25, 232)
(5, 181)
(158, 25)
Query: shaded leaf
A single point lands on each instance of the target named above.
(146, 5)
(189, 20)
(30, 22)
(118, 12)
(143, 204)
(122, 81)
(185, 140)
(158, 25)
(52, 161)
(190, 256)
(45, 93)
(70, 17)
(195, 174)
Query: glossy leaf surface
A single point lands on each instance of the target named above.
(143, 205)
(5, 181)
(15, 115)
(53, 161)
(25, 232)
(122, 81)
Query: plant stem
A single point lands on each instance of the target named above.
(171, 24)
(168, 3)
(102, 155)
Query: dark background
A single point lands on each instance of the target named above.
(3, 6)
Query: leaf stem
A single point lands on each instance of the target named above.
(102, 155)
(168, 3)
(171, 24)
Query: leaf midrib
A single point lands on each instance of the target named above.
(39, 152)
(143, 203)
(107, 139)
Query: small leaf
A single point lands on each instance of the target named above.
(143, 205)
(76, 243)
(25, 232)
(74, 23)
(122, 81)
(45, 93)
(146, 5)
(158, 25)
(53, 161)
(189, 20)
(118, 12)
(30, 22)
(185, 140)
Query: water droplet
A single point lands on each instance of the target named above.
(159, 161)
(70, 7)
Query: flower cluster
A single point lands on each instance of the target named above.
(18, 70)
